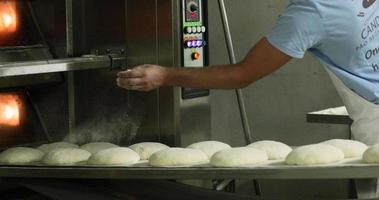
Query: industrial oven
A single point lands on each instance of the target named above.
(58, 65)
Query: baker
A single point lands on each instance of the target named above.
(342, 35)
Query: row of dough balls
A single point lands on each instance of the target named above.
(222, 155)
(327, 152)
(102, 153)
(96, 153)
(217, 153)
(57, 153)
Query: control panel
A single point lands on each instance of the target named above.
(195, 52)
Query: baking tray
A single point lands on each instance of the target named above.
(347, 169)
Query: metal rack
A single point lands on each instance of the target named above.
(361, 171)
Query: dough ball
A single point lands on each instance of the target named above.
(66, 156)
(20, 155)
(314, 154)
(237, 157)
(178, 157)
(146, 149)
(114, 156)
(56, 145)
(371, 155)
(209, 147)
(95, 147)
(350, 148)
(275, 150)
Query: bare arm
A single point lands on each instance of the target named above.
(262, 60)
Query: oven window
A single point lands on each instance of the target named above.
(8, 17)
(25, 23)
(8, 22)
(19, 123)
(10, 107)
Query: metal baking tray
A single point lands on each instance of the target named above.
(347, 169)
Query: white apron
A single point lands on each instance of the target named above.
(365, 114)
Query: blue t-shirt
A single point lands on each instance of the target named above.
(342, 34)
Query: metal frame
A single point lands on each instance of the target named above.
(59, 65)
(239, 92)
(233, 60)
(201, 173)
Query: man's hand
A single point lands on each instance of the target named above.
(142, 78)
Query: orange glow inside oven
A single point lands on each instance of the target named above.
(9, 110)
(8, 16)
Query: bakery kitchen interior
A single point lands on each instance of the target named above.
(73, 125)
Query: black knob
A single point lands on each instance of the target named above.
(193, 8)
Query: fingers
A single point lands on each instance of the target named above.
(125, 83)
(134, 87)
(130, 73)
(133, 84)
(130, 81)
(142, 88)
(141, 78)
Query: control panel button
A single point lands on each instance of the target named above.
(195, 56)
(194, 43)
(188, 29)
(188, 44)
(199, 43)
(198, 29)
(194, 29)
(203, 29)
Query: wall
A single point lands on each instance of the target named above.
(276, 105)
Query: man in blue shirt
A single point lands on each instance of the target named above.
(342, 35)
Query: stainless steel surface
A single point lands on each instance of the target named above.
(69, 28)
(201, 173)
(55, 65)
(232, 58)
(24, 53)
(194, 119)
(154, 37)
(87, 99)
(181, 121)
(70, 75)
(31, 80)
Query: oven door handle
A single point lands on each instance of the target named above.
(86, 62)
